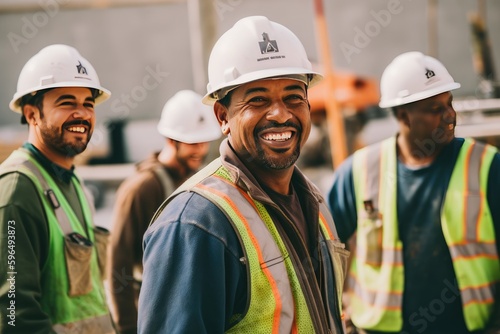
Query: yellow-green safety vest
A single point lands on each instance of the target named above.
(376, 277)
(87, 313)
(277, 302)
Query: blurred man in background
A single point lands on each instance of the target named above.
(188, 127)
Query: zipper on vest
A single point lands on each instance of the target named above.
(305, 284)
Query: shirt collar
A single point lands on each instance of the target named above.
(55, 170)
(245, 179)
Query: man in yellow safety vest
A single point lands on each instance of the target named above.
(420, 207)
(247, 244)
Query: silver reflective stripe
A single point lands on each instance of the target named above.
(379, 299)
(21, 159)
(61, 215)
(481, 294)
(473, 203)
(101, 325)
(372, 191)
(273, 259)
(392, 257)
(473, 250)
(372, 188)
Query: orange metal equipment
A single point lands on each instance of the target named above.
(334, 94)
(334, 116)
(350, 91)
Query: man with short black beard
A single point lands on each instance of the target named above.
(51, 255)
(247, 245)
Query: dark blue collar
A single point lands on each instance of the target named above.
(55, 170)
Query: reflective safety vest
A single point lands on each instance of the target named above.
(85, 313)
(376, 277)
(277, 302)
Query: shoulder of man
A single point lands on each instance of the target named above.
(197, 178)
(202, 174)
(16, 187)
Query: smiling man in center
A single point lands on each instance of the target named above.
(248, 244)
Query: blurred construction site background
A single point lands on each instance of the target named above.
(146, 50)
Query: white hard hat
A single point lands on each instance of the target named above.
(256, 48)
(56, 66)
(186, 119)
(413, 76)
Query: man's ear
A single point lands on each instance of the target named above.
(401, 114)
(30, 113)
(221, 113)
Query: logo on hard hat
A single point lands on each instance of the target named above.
(268, 45)
(429, 73)
(81, 69)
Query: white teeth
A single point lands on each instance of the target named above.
(278, 136)
(79, 129)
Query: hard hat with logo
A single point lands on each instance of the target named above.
(413, 76)
(56, 66)
(186, 119)
(256, 48)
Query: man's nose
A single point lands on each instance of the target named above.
(81, 112)
(450, 115)
(279, 112)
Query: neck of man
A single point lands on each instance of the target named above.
(59, 159)
(277, 180)
(416, 153)
(167, 157)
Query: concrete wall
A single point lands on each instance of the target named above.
(127, 44)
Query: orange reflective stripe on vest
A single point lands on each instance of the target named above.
(273, 293)
(277, 303)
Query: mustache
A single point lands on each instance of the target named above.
(274, 124)
(77, 122)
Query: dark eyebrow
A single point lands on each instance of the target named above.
(255, 89)
(438, 104)
(72, 97)
(295, 87)
(262, 89)
(65, 97)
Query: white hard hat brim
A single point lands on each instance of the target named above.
(14, 105)
(419, 96)
(273, 73)
(193, 138)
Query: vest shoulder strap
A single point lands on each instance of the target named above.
(29, 169)
(165, 180)
(189, 184)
